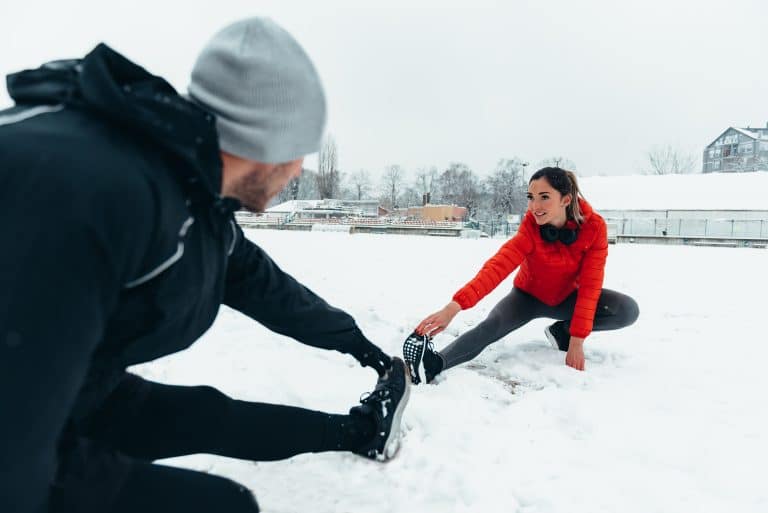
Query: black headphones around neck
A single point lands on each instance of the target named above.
(553, 234)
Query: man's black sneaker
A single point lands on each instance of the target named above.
(385, 406)
(558, 335)
(418, 351)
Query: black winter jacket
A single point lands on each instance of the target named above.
(117, 249)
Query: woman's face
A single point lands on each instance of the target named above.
(547, 204)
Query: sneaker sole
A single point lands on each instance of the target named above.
(412, 367)
(392, 443)
(551, 338)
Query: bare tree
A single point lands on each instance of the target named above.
(392, 182)
(470, 192)
(667, 160)
(560, 161)
(328, 179)
(507, 187)
(290, 191)
(458, 185)
(737, 164)
(410, 197)
(301, 187)
(743, 164)
(425, 181)
(361, 183)
(447, 184)
(760, 163)
(308, 185)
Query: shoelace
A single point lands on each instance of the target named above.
(377, 395)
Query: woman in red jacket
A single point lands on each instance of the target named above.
(560, 249)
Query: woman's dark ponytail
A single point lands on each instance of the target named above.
(573, 210)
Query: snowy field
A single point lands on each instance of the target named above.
(666, 418)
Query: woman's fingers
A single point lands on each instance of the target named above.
(434, 324)
(435, 330)
(424, 325)
(419, 328)
(575, 362)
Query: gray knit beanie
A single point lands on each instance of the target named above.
(264, 91)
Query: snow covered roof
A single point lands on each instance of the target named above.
(746, 132)
(292, 206)
(709, 191)
(754, 133)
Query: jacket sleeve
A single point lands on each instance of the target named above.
(590, 278)
(61, 272)
(495, 270)
(256, 286)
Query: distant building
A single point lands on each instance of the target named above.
(438, 212)
(368, 207)
(324, 209)
(737, 150)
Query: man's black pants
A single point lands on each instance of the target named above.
(106, 460)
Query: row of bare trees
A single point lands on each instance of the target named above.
(501, 192)
(498, 193)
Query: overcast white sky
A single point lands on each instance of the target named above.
(596, 81)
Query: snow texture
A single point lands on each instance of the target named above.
(710, 191)
(666, 418)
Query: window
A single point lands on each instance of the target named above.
(746, 147)
(715, 164)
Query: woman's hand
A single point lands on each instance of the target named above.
(575, 356)
(439, 320)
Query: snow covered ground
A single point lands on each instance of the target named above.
(666, 418)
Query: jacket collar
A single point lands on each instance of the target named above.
(114, 88)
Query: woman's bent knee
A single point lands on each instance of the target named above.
(630, 311)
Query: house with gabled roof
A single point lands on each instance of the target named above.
(737, 150)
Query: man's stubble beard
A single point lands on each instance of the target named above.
(253, 193)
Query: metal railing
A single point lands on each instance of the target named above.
(730, 228)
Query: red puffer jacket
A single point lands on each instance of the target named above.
(549, 271)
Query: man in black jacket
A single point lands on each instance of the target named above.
(116, 205)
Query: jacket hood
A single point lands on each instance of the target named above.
(114, 88)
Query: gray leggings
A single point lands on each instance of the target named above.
(614, 311)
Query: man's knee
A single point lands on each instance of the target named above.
(238, 498)
(157, 488)
(207, 492)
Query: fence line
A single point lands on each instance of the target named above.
(621, 226)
